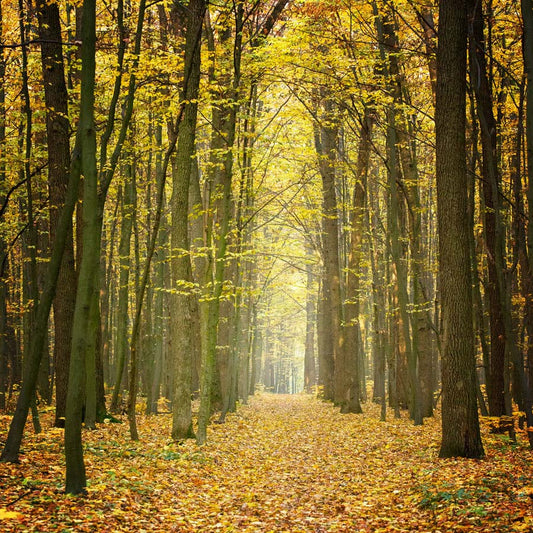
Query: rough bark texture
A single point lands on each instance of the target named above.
(181, 304)
(352, 305)
(57, 132)
(121, 338)
(460, 424)
(75, 468)
(491, 215)
(326, 139)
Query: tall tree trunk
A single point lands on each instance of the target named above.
(498, 389)
(181, 307)
(224, 138)
(57, 132)
(326, 145)
(121, 338)
(478, 312)
(460, 424)
(4, 357)
(351, 403)
(75, 476)
(526, 282)
(527, 47)
(310, 324)
(399, 144)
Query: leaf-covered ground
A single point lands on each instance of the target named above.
(281, 464)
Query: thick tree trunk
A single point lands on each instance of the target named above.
(460, 424)
(350, 403)
(326, 144)
(181, 306)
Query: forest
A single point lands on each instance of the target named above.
(266, 265)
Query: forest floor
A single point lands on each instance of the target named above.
(281, 464)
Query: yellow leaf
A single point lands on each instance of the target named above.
(5, 514)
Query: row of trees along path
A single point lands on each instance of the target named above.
(217, 198)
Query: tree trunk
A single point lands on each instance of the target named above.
(224, 138)
(352, 349)
(121, 338)
(4, 356)
(460, 424)
(181, 306)
(527, 47)
(310, 317)
(498, 390)
(75, 475)
(397, 143)
(326, 144)
(57, 132)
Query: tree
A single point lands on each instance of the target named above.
(182, 335)
(460, 424)
(58, 145)
(326, 145)
(75, 474)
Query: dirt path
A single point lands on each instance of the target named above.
(281, 464)
(292, 463)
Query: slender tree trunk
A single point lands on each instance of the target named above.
(494, 288)
(398, 143)
(527, 47)
(75, 475)
(121, 338)
(527, 16)
(257, 348)
(378, 303)
(4, 356)
(224, 209)
(57, 132)
(425, 18)
(310, 315)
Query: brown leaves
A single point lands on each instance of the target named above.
(284, 463)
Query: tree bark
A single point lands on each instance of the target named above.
(310, 327)
(326, 144)
(352, 349)
(181, 305)
(498, 389)
(460, 424)
(57, 132)
(75, 476)
(121, 338)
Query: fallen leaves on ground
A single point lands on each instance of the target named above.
(280, 464)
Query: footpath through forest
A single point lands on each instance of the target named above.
(281, 464)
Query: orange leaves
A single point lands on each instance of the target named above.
(281, 464)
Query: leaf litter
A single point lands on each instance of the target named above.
(280, 464)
